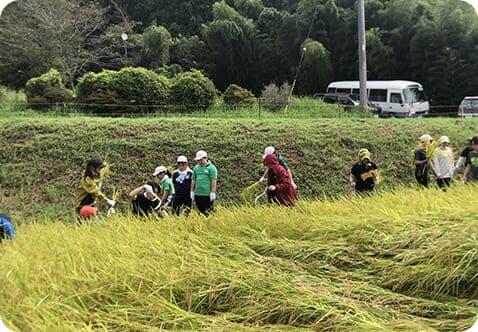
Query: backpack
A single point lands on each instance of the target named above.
(7, 230)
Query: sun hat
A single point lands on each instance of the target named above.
(444, 139)
(364, 154)
(269, 150)
(148, 188)
(200, 155)
(159, 170)
(182, 159)
(426, 138)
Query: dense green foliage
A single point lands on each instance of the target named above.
(237, 96)
(120, 91)
(399, 262)
(255, 42)
(192, 90)
(46, 90)
(43, 157)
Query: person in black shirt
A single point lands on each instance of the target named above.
(145, 199)
(471, 171)
(364, 176)
(422, 165)
(182, 178)
(464, 159)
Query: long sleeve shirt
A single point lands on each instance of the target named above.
(443, 163)
(89, 191)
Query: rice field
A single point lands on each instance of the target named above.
(403, 261)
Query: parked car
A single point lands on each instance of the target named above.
(468, 107)
(395, 98)
(347, 101)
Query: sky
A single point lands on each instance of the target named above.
(474, 3)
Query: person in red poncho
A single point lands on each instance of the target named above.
(280, 190)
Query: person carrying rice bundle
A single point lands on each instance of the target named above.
(364, 176)
(422, 164)
(89, 190)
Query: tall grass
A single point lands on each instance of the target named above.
(11, 102)
(15, 103)
(398, 261)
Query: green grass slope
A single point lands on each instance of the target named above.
(395, 262)
(43, 157)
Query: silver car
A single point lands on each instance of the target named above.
(468, 107)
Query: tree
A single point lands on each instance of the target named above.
(230, 38)
(70, 35)
(381, 60)
(155, 44)
(316, 68)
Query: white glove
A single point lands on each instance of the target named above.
(111, 211)
(110, 203)
(294, 185)
(272, 188)
(212, 196)
(192, 195)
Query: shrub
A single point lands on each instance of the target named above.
(47, 89)
(192, 90)
(169, 70)
(123, 91)
(139, 86)
(96, 93)
(237, 96)
(275, 98)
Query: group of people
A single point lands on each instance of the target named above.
(440, 161)
(180, 190)
(177, 191)
(184, 187)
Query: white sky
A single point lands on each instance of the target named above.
(474, 3)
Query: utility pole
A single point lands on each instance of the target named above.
(362, 54)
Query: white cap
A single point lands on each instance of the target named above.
(426, 138)
(148, 189)
(444, 139)
(269, 150)
(182, 159)
(200, 154)
(159, 170)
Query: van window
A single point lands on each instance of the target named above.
(331, 90)
(356, 91)
(414, 95)
(396, 98)
(342, 90)
(379, 95)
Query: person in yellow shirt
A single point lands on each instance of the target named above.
(89, 190)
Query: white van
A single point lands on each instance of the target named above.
(395, 98)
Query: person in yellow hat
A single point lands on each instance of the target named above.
(364, 176)
(422, 164)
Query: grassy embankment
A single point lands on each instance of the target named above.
(43, 157)
(401, 261)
